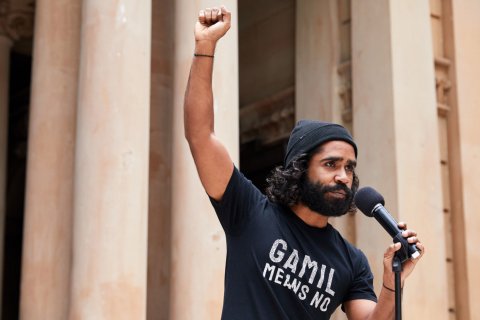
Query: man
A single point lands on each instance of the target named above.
(284, 260)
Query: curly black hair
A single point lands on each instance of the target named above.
(285, 184)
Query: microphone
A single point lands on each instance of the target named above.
(371, 203)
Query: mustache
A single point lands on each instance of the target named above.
(338, 187)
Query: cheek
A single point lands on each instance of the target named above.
(322, 175)
(350, 184)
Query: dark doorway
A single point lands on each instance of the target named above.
(19, 101)
(257, 160)
(266, 40)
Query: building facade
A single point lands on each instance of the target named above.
(102, 212)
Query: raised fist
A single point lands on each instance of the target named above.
(212, 24)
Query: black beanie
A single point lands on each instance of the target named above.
(309, 134)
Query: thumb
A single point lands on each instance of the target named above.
(226, 15)
(390, 252)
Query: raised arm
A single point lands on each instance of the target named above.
(213, 162)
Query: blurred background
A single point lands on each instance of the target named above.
(102, 215)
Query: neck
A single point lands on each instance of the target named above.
(308, 216)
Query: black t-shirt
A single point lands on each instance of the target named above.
(278, 267)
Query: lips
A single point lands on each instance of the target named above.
(338, 193)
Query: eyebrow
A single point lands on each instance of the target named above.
(350, 162)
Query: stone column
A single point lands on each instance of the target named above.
(323, 77)
(111, 164)
(5, 45)
(47, 238)
(160, 182)
(464, 148)
(395, 121)
(315, 60)
(198, 241)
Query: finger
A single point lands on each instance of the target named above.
(208, 16)
(409, 233)
(413, 240)
(227, 16)
(220, 15)
(201, 17)
(422, 249)
(214, 15)
(402, 225)
(389, 253)
(422, 252)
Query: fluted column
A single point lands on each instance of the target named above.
(464, 153)
(5, 45)
(47, 238)
(111, 163)
(396, 131)
(160, 187)
(198, 241)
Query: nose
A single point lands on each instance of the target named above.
(341, 177)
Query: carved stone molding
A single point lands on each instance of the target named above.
(15, 23)
(443, 110)
(442, 85)
(270, 119)
(441, 61)
(344, 89)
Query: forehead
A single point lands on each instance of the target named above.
(336, 148)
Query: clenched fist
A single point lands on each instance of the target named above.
(212, 24)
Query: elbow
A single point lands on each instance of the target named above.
(197, 138)
(189, 135)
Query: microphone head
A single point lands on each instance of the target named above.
(366, 199)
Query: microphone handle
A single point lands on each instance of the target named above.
(391, 226)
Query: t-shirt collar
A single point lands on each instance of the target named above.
(298, 221)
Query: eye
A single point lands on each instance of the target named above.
(349, 168)
(330, 164)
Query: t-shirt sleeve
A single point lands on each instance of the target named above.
(362, 285)
(234, 210)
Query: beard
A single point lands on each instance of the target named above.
(315, 198)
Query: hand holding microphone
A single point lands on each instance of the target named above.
(371, 203)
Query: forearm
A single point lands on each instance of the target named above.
(385, 308)
(198, 105)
